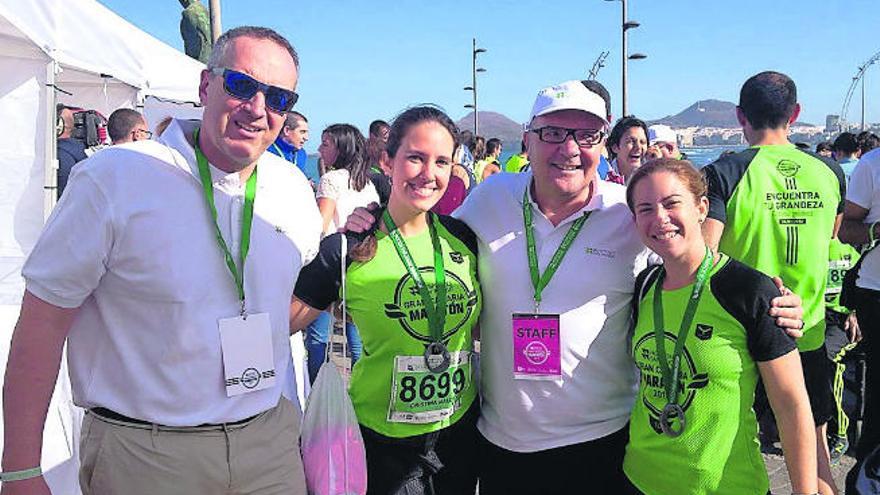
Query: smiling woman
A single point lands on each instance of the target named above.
(412, 290)
(702, 338)
(627, 145)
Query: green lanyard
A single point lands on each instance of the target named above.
(670, 376)
(539, 282)
(247, 218)
(436, 310)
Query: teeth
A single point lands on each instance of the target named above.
(666, 235)
(247, 128)
(423, 191)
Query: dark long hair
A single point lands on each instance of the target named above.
(351, 155)
(401, 126)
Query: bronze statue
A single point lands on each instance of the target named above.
(195, 29)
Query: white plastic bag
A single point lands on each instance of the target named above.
(334, 456)
(333, 451)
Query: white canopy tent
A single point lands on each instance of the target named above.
(79, 53)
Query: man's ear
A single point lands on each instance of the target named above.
(795, 114)
(203, 86)
(741, 117)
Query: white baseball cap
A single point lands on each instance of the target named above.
(570, 95)
(659, 133)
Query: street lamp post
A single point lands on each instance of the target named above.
(625, 26)
(473, 86)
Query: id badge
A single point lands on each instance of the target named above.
(536, 354)
(248, 357)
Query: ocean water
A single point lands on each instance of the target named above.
(701, 157)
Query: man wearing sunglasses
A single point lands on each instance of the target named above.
(168, 270)
(126, 126)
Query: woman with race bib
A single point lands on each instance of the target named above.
(702, 338)
(411, 288)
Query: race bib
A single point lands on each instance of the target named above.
(536, 354)
(836, 271)
(420, 396)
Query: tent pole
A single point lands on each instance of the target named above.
(50, 167)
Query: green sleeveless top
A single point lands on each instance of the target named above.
(718, 452)
(392, 391)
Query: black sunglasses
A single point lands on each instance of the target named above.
(244, 87)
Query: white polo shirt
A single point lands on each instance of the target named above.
(131, 243)
(863, 189)
(591, 291)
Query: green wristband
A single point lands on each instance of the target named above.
(24, 474)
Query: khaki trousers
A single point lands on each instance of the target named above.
(259, 457)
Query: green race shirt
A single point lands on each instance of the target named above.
(841, 257)
(515, 163)
(391, 391)
(778, 205)
(718, 452)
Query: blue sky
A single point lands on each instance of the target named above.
(362, 60)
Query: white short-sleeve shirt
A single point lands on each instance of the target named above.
(592, 293)
(336, 185)
(131, 243)
(864, 190)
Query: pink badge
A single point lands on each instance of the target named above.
(536, 346)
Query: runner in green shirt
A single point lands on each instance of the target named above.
(776, 208)
(701, 338)
(842, 334)
(412, 290)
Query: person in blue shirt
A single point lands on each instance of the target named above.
(291, 140)
(846, 151)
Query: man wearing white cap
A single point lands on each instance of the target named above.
(663, 142)
(558, 256)
(557, 380)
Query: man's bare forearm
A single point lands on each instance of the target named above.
(31, 372)
(854, 232)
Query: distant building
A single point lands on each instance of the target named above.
(832, 123)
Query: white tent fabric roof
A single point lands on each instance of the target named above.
(85, 35)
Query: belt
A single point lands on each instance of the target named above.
(115, 416)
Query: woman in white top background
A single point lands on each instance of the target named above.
(346, 184)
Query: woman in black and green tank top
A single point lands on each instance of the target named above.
(702, 337)
(411, 288)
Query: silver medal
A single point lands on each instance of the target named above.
(670, 413)
(437, 357)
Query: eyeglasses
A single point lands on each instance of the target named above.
(244, 87)
(147, 133)
(584, 138)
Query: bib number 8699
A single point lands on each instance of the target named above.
(430, 384)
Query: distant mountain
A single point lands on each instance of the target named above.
(495, 125)
(706, 113)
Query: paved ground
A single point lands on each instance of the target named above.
(779, 474)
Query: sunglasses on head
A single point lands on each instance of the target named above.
(244, 87)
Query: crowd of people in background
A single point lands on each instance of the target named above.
(632, 369)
